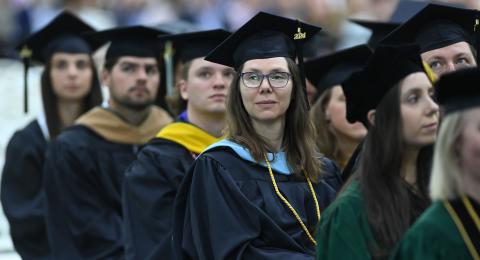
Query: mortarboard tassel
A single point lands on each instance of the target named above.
(25, 54)
(169, 67)
(299, 38)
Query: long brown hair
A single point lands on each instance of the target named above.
(50, 99)
(326, 140)
(299, 134)
(391, 204)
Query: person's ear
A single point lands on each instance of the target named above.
(328, 118)
(182, 87)
(105, 77)
(371, 116)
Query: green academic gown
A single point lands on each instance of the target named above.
(344, 232)
(433, 236)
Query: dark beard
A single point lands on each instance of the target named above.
(133, 105)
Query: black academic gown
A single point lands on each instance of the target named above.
(22, 193)
(149, 191)
(84, 174)
(226, 208)
(83, 181)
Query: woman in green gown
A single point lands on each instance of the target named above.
(450, 227)
(392, 97)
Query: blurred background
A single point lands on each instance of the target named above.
(19, 18)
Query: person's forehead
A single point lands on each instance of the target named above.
(137, 60)
(415, 81)
(450, 50)
(269, 63)
(65, 55)
(198, 63)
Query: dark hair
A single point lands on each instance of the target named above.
(391, 204)
(50, 100)
(299, 133)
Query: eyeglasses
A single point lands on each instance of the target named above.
(275, 79)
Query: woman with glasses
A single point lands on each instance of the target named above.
(392, 96)
(259, 193)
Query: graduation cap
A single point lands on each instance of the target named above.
(331, 70)
(193, 45)
(404, 11)
(62, 34)
(389, 64)
(138, 41)
(437, 26)
(459, 90)
(265, 36)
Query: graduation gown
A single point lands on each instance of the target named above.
(226, 208)
(344, 231)
(22, 193)
(434, 236)
(84, 172)
(151, 184)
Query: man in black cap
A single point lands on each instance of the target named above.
(448, 36)
(152, 180)
(85, 165)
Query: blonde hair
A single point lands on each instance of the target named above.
(446, 173)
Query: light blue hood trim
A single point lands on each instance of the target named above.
(279, 164)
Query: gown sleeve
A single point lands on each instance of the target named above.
(150, 186)
(22, 194)
(81, 221)
(214, 220)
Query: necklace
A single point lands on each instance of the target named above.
(285, 201)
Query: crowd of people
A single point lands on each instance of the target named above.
(248, 144)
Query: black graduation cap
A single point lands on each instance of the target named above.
(62, 34)
(459, 90)
(437, 26)
(404, 11)
(263, 36)
(193, 45)
(138, 41)
(389, 64)
(330, 70)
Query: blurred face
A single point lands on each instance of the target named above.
(206, 86)
(133, 82)
(264, 103)
(336, 111)
(71, 75)
(469, 144)
(450, 58)
(418, 110)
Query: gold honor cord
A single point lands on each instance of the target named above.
(304, 227)
(461, 229)
(471, 211)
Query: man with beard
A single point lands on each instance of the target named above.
(152, 181)
(84, 168)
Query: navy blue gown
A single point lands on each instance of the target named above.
(22, 194)
(226, 208)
